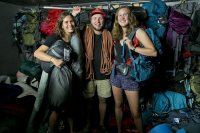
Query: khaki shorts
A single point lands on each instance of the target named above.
(103, 88)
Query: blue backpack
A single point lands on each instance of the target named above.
(157, 12)
(143, 67)
(156, 41)
(154, 38)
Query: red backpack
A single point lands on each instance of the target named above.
(48, 26)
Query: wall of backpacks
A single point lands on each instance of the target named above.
(176, 24)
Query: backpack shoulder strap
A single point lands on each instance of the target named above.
(132, 34)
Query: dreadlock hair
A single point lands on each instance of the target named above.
(117, 30)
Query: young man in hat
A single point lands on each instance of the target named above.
(98, 46)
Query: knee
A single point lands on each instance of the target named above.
(118, 105)
(102, 100)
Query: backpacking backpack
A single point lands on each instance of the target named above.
(178, 35)
(30, 32)
(19, 21)
(195, 86)
(31, 69)
(157, 13)
(143, 67)
(194, 36)
(187, 8)
(48, 25)
(26, 35)
(154, 38)
(167, 101)
(156, 41)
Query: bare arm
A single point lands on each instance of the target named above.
(148, 49)
(76, 10)
(41, 54)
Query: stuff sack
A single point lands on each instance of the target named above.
(58, 50)
(60, 84)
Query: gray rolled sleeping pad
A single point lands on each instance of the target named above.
(60, 87)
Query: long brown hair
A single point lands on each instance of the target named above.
(59, 30)
(117, 30)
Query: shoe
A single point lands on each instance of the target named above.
(61, 126)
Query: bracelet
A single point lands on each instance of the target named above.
(51, 59)
(134, 48)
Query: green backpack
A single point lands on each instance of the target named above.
(195, 86)
(30, 33)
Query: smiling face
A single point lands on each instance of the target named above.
(122, 17)
(68, 24)
(97, 21)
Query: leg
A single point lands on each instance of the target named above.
(133, 100)
(104, 92)
(102, 110)
(88, 112)
(117, 93)
(88, 94)
(52, 121)
(71, 124)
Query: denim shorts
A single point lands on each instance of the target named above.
(124, 82)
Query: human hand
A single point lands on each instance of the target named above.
(76, 10)
(129, 43)
(57, 62)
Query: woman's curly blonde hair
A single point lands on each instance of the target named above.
(117, 30)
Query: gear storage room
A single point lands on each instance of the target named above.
(169, 101)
